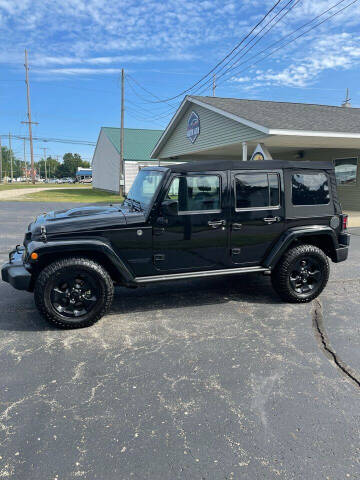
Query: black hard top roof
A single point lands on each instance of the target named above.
(208, 165)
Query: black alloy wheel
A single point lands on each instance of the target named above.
(301, 274)
(306, 276)
(73, 292)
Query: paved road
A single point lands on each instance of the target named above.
(17, 193)
(208, 379)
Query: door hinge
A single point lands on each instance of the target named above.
(159, 257)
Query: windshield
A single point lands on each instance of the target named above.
(144, 187)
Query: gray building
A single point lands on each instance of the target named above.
(138, 144)
(213, 127)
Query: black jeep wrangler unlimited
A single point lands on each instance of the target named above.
(188, 220)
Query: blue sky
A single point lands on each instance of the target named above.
(77, 49)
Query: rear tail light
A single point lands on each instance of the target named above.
(344, 222)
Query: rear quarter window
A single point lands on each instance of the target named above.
(310, 189)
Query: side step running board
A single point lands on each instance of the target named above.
(206, 273)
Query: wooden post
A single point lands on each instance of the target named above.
(11, 160)
(29, 122)
(0, 161)
(122, 169)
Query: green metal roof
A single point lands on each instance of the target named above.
(138, 143)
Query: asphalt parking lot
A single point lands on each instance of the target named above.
(203, 379)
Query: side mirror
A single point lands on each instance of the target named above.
(170, 208)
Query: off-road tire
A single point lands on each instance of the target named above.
(280, 276)
(55, 269)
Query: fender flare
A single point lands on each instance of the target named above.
(82, 246)
(293, 234)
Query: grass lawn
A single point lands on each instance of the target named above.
(74, 194)
(16, 186)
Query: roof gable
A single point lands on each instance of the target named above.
(289, 116)
(138, 143)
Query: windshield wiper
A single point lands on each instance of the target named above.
(135, 204)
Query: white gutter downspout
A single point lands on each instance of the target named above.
(244, 151)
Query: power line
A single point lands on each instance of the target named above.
(245, 51)
(147, 110)
(223, 59)
(147, 91)
(139, 109)
(129, 77)
(147, 115)
(281, 41)
(54, 140)
(145, 120)
(290, 41)
(140, 115)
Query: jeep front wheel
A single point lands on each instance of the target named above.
(73, 292)
(301, 274)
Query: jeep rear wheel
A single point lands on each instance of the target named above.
(301, 274)
(73, 292)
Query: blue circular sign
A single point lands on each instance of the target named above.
(193, 127)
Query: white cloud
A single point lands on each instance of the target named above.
(328, 52)
(80, 71)
(99, 32)
(78, 34)
(46, 61)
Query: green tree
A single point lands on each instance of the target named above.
(71, 162)
(17, 165)
(52, 166)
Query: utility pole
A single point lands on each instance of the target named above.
(44, 148)
(25, 166)
(0, 161)
(29, 122)
(122, 176)
(346, 103)
(214, 84)
(11, 160)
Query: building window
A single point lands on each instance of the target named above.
(346, 171)
(310, 189)
(257, 190)
(196, 193)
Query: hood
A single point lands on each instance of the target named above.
(87, 218)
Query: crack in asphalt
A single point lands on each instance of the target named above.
(318, 323)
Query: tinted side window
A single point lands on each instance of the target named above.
(346, 171)
(256, 190)
(196, 192)
(274, 189)
(310, 189)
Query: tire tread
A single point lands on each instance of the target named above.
(279, 277)
(51, 269)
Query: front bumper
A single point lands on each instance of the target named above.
(15, 273)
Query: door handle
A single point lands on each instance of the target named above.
(271, 219)
(217, 223)
(236, 226)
